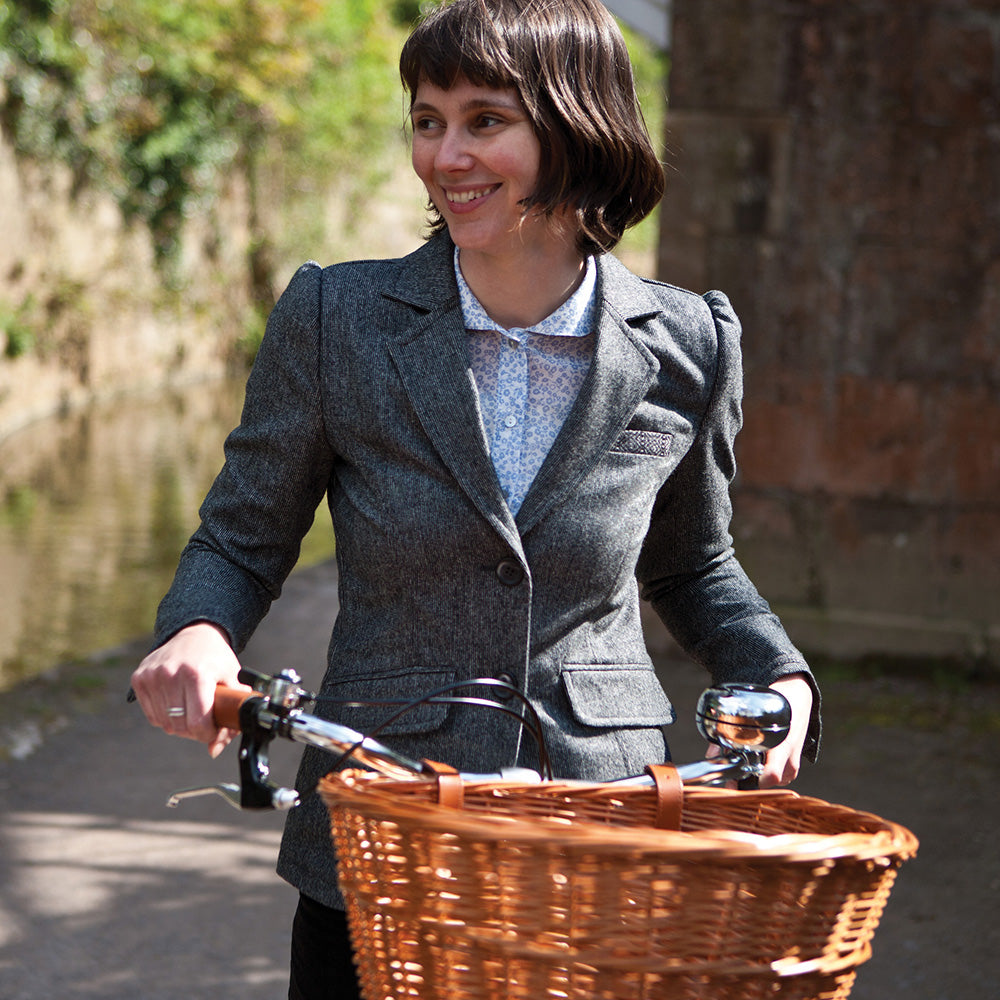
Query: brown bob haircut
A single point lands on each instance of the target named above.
(568, 62)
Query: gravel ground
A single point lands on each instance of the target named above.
(105, 893)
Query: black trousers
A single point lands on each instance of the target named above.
(322, 966)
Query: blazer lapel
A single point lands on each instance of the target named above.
(621, 372)
(431, 357)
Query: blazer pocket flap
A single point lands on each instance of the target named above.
(616, 694)
(635, 442)
(366, 702)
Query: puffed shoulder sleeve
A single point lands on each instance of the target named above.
(688, 570)
(277, 469)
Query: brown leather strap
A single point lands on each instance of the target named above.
(451, 789)
(669, 795)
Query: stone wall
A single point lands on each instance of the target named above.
(103, 318)
(835, 167)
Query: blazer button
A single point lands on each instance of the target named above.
(501, 693)
(509, 572)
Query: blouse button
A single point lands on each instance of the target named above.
(510, 421)
(509, 572)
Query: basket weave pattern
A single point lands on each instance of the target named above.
(535, 891)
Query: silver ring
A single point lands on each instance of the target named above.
(176, 713)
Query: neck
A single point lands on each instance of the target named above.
(521, 291)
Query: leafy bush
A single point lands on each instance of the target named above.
(156, 101)
(16, 330)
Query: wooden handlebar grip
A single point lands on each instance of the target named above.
(227, 706)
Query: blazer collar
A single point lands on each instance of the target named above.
(431, 356)
(627, 296)
(426, 280)
(426, 277)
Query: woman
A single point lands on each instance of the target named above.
(510, 430)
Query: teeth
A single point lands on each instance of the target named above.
(464, 197)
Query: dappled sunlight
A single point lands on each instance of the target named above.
(131, 904)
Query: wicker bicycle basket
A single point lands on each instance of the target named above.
(573, 893)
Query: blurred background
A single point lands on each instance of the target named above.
(834, 167)
(164, 169)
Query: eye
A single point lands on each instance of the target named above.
(486, 120)
(425, 124)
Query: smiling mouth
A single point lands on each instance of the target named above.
(464, 197)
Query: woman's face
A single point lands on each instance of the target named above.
(476, 152)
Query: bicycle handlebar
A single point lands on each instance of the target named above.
(744, 720)
(228, 702)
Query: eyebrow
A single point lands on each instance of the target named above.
(474, 104)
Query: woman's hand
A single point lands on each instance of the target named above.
(176, 683)
(782, 765)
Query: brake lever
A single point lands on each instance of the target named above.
(281, 798)
(228, 790)
(277, 697)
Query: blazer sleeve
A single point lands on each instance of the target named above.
(277, 469)
(687, 569)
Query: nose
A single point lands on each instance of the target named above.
(453, 151)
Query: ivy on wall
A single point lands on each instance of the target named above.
(156, 101)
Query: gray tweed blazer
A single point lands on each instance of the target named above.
(362, 393)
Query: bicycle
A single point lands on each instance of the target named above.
(515, 886)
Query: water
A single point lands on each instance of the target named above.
(94, 510)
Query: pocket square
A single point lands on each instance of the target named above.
(633, 442)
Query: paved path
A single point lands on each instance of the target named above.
(104, 893)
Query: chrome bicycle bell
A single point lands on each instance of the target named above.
(742, 717)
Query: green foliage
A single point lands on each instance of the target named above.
(17, 329)
(157, 101)
(253, 333)
(650, 67)
(407, 11)
(18, 507)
